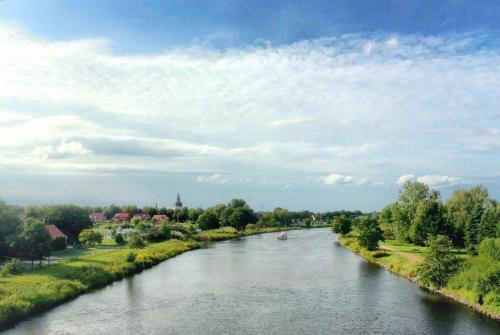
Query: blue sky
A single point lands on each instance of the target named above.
(317, 105)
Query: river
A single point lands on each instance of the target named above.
(257, 285)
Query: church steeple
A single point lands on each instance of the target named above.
(178, 202)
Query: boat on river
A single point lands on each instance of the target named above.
(282, 236)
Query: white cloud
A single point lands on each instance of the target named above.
(336, 179)
(215, 178)
(304, 109)
(63, 150)
(405, 178)
(436, 180)
(431, 180)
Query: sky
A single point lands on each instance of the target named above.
(319, 105)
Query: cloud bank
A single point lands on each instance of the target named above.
(368, 106)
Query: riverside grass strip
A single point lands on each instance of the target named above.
(407, 268)
(40, 289)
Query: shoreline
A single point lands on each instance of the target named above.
(458, 299)
(85, 278)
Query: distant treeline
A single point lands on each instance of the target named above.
(19, 224)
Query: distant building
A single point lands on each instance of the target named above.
(178, 202)
(159, 218)
(143, 216)
(122, 217)
(97, 217)
(56, 232)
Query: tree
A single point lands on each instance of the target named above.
(111, 210)
(439, 262)
(369, 232)
(472, 227)
(34, 241)
(131, 209)
(238, 214)
(90, 237)
(208, 220)
(281, 217)
(136, 241)
(70, 219)
(180, 215)
(150, 210)
(194, 213)
(9, 227)
(341, 225)
(429, 220)
(489, 225)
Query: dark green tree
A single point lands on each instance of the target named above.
(429, 220)
(489, 225)
(10, 224)
(70, 219)
(472, 228)
(34, 241)
(111, 210)
(369, 232)
(208, 220)
(341, 225)
(439, 262)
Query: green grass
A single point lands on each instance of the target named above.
(39, 289)
(463, 286)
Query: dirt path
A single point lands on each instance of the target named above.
(408, 255)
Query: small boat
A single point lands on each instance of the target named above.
(282, 236)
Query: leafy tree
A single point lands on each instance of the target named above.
(34, 241)
(412, 192)
(150, 210)
(90, 237)
(238, 214)
(136, 241)
(33, 212)
(369, 232)
(281, 217)
(429, 220)
(194, 213)
(70, 219)
(131, 209)
(181, 215)
(119, 239)
(208, 220)
(472, 228)
(111, 210)
(439, 262)
(341, 225)
(10, 224)
(489, 225)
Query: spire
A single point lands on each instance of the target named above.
(178, 202)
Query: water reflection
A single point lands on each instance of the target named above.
(257, 285)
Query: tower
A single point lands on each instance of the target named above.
(178, 202)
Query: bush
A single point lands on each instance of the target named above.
(136, 241)
(11, 267)
(250, 226)
(131, 256)
(439, 262)
(119, 239)
(59, 243)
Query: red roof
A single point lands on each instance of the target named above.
(159, 217)
(54, 231)
(122, 217)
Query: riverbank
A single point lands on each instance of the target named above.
(40, 289)
(407, 267)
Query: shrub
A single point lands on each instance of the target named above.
(439, 262)
(11, 267)
(131, 256)
(250, 226)
(136, 241)
(119, 239)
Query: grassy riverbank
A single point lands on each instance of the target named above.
(403, 260)
(39, 289)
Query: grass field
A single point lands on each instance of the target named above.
(405, 259)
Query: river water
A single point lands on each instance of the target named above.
(258, 285)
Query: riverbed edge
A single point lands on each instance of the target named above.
(10, 321)
(476, 307)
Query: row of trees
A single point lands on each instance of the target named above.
(467, 217)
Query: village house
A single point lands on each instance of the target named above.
(56, 232)
(122, 217)
(159, 218)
